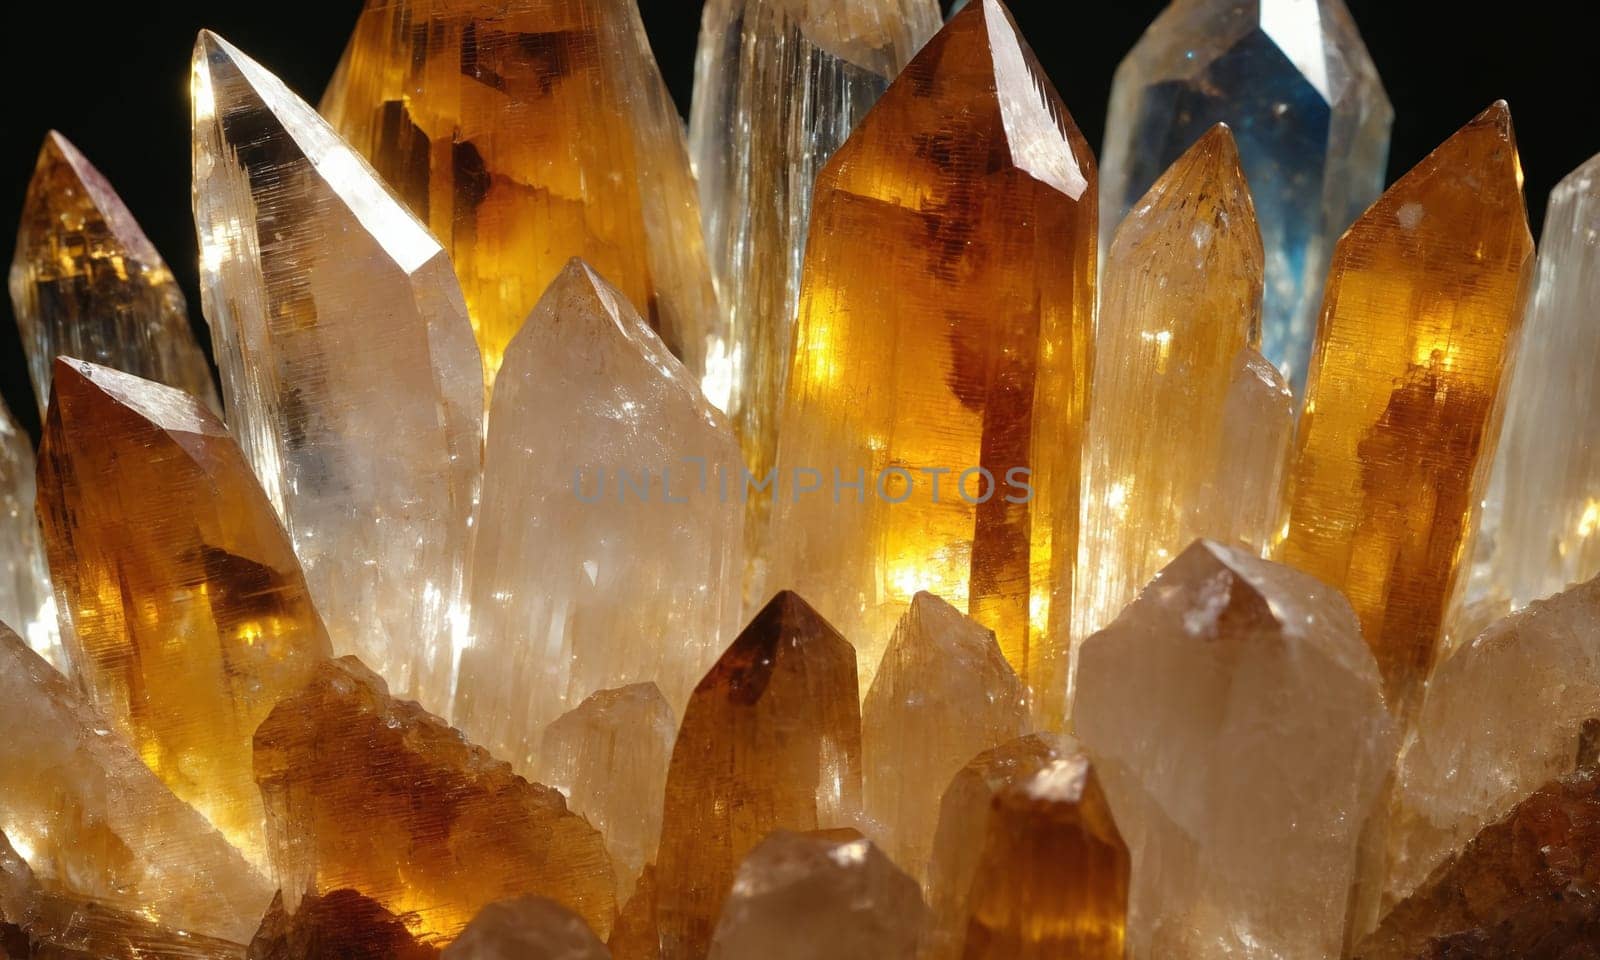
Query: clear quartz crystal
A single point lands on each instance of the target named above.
(1294, 80)
(27, 602)
(353, 383)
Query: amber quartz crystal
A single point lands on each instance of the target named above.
(944, 325)
(87, 283)
(189, 616)
(525, 133)
(771, 740)
(1424, 300)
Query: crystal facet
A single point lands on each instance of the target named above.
(370, 793)
(1392, 458)
(606, 555)
(189, 616)
(608, 756)
(1543, 513)
(1181, 427)
(525, 133)
(86, 283)
(943, 335)
(825, 895)
(1294, 80)
(527, 928)
(778, 87)
(943, 694)
(352, 381)
(637, 933)
(94, 822)
(771, 741)
(1239, 727)
(26, 597)
(342, 925)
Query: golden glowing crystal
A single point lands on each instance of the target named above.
(189, 615)
(944, 325)
(1424, 300)
(1175, 452)
(86, 283)
(771, 740)
(525, 133)
(373, 794)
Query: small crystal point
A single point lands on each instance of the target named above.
(527, 928)
(340, 925)
(86, 283)
(27, 598)
(1186, 439)
(771, 741)
(372, 793)
(96, 824)
(353, 383)
(1239, 728)
(1424, 301)
(943, 694)
(525, 133)
(606, 554)
(971, 179)
(1305, 101)
(823, 895)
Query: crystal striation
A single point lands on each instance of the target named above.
(637, 933)
(86, 283)
(1295, 82)
(778, 87)
(1424, 300)
(608, 756)
(599, 487)
(1182, 427)
(342, 925)
(771, 741)
(96, 824)
(943, 694)
(353, 384)
(527, 928)
(941, 415)
(825, 895)
(527, 132)
(189, 616)
(1238, 725)
(372, 794)
(26, 597)
(1543, 509)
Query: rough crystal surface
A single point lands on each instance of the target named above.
(87, 283)
(1424, 300)
(1052, 877)
(609, 756)
(607, 554)
(771, 741)
(1543, 509)
(372, 794)
(637, 933)
(1503, 716)
(779, 85)
(943, 694)
(1238, 725)
(963, 831)
(527, 928)
(527, 132)
(1179, 435)
(1294, 80)
(1527, 886)
(95, 823)
(27, 598)
(352, 381)
(189, 616)
(969, 184)
(341, 925)
(823, 895)
(40, 923)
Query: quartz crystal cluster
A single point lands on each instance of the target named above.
(821, 537)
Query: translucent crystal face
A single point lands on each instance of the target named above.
(1294, 81)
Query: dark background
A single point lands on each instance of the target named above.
(113, 77)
